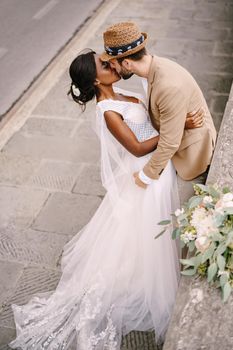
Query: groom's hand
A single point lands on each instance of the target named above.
(195, 119)
(138, 181)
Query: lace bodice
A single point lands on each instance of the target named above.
(134, 115)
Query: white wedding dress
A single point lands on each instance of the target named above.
(115, 276)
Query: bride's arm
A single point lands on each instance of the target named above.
(126, 137)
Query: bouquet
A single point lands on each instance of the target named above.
(205, 225)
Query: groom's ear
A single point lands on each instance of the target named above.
(127, 63)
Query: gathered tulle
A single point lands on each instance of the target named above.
(116, 277)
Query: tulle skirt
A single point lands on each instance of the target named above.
(116, 277)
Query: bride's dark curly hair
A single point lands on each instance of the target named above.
(83, 75)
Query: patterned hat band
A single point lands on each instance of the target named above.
(115, 51)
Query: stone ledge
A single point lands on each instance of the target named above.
(200, 320)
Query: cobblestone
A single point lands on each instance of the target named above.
(55, 175)
(33, 279)
(66, 213)
(32, 247)
(19, 206)
(48, 127)
(89, 181)
(16, 169)
(49, 170)
(10, 271)
(57, 104)
(58, 148)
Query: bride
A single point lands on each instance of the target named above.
(115, 276)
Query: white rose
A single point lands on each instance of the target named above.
(224, 203)
(198, 215)
(178, 212)
(219, 207)
(206, 226)
(202, 244)
(207, 199)
(228, 204)
(227, 197)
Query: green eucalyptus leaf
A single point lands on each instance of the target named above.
(182, 244)
(189, 262)
(194, 261)
(191, 246)
(208, 253)
(209, 205)
(183, 223)
(211, 272)
(223, 279)
(198, 259)
(216, 236)
(160, 234)
(221, 261)
(194, 201)
(164, 222)
(182, 217)
(213, 192)
(219, 219)
(176, 233)
(229, 237)
(189, 272)
(226, 291)
(221, 248)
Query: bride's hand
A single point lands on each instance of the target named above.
(138, 181)
(195, 119)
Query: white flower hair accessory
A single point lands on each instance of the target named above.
(75, 90)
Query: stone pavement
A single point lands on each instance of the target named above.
(49, 162)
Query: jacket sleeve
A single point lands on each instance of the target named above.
(173, 110)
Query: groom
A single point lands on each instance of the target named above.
(172, 93)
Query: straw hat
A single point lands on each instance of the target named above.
(122, 39)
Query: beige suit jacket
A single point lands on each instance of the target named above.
(172, 93)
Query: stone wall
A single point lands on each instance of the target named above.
(200, 320)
